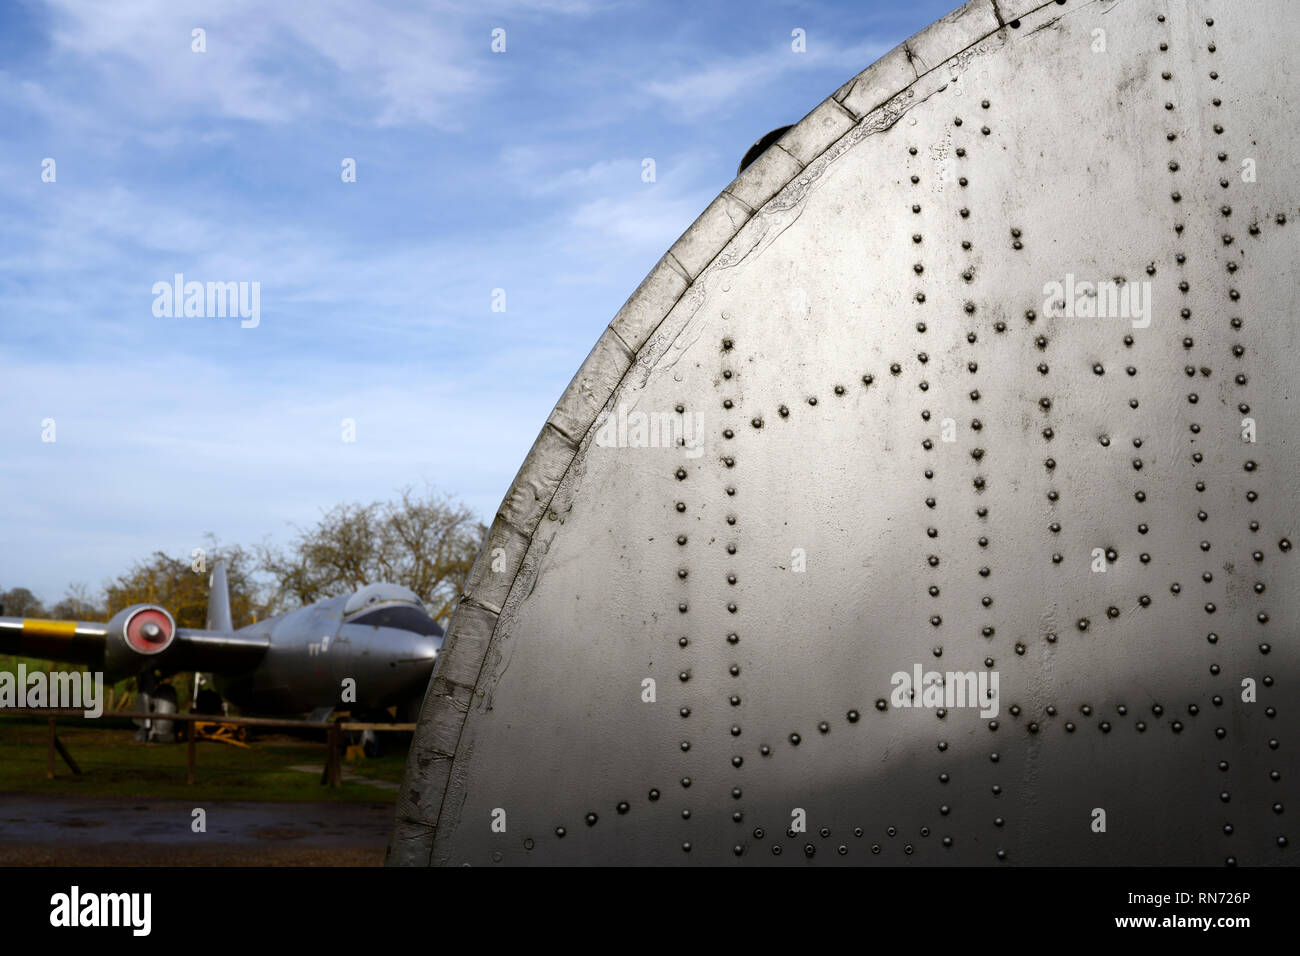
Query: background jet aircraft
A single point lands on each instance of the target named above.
(380, 636)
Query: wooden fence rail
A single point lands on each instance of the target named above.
(332, 776)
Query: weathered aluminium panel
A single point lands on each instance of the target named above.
(990, 371)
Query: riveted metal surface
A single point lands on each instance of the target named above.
(884, 428)
(765, 176)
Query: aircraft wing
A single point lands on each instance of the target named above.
(74, 642)
(216, 651)
(85, 642)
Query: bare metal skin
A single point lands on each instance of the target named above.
(910, 443)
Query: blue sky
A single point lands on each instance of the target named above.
(475, 171)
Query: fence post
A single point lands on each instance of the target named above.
(49, 761)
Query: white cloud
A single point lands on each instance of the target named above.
(273, 62)
(692, 90)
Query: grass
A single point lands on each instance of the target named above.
(114, 764)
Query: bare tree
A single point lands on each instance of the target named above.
(181, 586)
(20, 602)
(78, 605)
(423, 542)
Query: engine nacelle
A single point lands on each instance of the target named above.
(137, 635)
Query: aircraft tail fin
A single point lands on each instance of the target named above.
(219, 600)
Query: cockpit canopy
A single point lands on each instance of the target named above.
(390, 605)
(375, 594)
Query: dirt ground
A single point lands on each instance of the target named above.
(44, 830)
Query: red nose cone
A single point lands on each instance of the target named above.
(149, 631)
